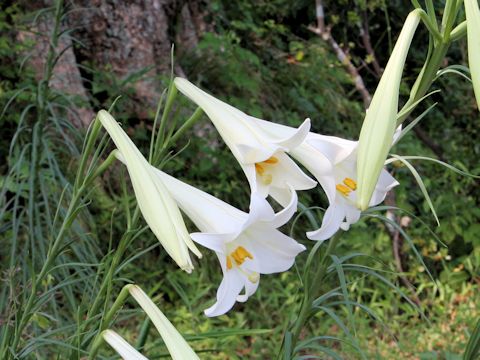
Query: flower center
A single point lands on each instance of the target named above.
(262, 169)
(347, 187)
(238, 255)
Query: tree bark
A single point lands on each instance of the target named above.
(117, 39)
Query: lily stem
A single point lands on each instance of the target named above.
(313, 288)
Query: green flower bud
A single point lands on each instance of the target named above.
(380, 122)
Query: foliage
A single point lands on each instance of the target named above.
(278, 70)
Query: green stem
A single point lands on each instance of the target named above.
(312, 291)
(108, 318)
(91, 139)
(180, 132)
(186, 126)
(172, 93)
(425, 79)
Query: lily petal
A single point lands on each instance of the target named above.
(332, 219)
(282, 217)
(227, 293)
(175, 343)
(123, 348)
(271, 255)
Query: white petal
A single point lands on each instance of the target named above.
(281, 195)
(234, 126)
(352, 216)
(123, 348)
(286, 173)
(271, 250)
(332, 219)
(260, 210)
(207, 212)
(176, 344)
(231, 285)
(251, 155)
(284, 216)
(385, 183)
(250, 288)
(314, 160)
(297, 137)
(334, 148)
(214, 241)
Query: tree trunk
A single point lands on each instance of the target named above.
(119, 39)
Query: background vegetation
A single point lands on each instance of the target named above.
(261, 57)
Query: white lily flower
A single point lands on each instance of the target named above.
(333, 162)
(472, 13)
(156, 204)
(174, 341)
(123, 348)
(246, 245)
(264, 160)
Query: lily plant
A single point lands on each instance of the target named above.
(264, 160)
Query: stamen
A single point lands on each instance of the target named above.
(271, 160)
(267, 179)
(352, 184)
(343, 189)
(229, 263)
(259, 169)
(254, 277)
(240, 254)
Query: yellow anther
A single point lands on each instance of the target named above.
(343, 189)
(239, 255)
(271, 160)
(352, 184)
(229, 263)
(259, 169)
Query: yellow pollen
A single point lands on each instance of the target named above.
(259, 169)
(271, 160)
(343, 189)
(229, 263)
(352, 184)
(262, 168)
(239, 255)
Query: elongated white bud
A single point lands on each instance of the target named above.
(380, 120)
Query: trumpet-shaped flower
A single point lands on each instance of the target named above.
(381, 118)
(264, 160)
(246, 245)
(157, 206)
(472, 13)
(333, 161)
